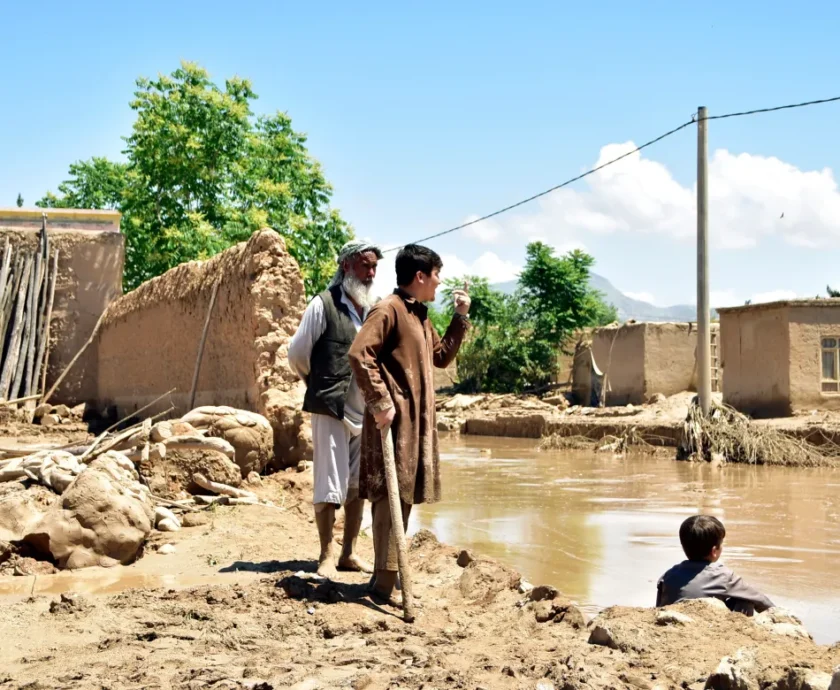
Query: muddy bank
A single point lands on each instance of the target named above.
(261, 621)
(658, 423)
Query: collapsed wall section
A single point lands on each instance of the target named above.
(90, 271)
(149, 340)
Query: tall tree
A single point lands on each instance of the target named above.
(558, 296)
(517, 338)
(202, 173)
(20, 201)
(96, 183)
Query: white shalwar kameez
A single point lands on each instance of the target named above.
(336, 444)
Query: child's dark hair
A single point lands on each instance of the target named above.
(699, 534)
(412, 258)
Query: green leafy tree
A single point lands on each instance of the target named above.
(97, 183)
(487, 303)
(558, 296)
(514, 344)
(20, 201)
(440, 318)
(832, 293)
(202, 173)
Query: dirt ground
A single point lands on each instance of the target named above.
(236, 606)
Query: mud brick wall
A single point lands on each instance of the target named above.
(90, 270)
(150, 337)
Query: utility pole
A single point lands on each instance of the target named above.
(704, 349)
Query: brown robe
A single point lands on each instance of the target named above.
(392, 358)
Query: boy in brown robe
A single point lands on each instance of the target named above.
(392, 358)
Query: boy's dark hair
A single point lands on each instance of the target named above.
(412, 258)
(699, 534)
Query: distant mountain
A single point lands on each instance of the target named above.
(628, 308)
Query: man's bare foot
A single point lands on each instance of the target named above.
(354, 564)
(326, 567)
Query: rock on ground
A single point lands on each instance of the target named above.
(21, 509)
(248, 432)
(782, 622)
(103, 518)
(172, 476)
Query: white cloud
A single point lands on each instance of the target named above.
(773, 296)
(750, 197)
(486, 231)
(641, 296)
(489, 265)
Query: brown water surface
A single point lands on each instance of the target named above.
(603, 528)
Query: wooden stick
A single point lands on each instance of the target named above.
(4, 271)
(25, 398)
(27, 330)
(34, 321)
(10, 291)
(201, 344)
(75, 359)
(14, 344)
(221, 489)
(142, 409)
(44, 346)
(397, 522)
(119, 437)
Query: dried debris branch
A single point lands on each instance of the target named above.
(726, 435)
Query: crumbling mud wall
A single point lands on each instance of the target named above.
(150, 337)
(90, 271)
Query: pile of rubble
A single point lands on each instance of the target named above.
(97, 503)
(453, 412)
(51, 415)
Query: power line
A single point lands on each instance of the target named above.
(667, 134)
(555, 188)
(774, 109)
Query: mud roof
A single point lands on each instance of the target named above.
(817, 302)
(60, 218)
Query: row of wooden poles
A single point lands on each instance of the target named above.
(27, 291)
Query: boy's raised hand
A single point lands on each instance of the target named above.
(461, 299)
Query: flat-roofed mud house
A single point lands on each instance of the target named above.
(781, 357)
(629, 363)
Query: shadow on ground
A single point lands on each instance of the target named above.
(268, 567)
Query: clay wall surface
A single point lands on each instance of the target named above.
(581, 372)
(755, 356)
(808, 326)
(150, 338)
(669, 358)
(90, 271)
(620, 355)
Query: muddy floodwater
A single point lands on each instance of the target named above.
(603, 528)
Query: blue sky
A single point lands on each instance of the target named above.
(426, 116)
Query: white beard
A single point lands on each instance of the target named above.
(357, 290)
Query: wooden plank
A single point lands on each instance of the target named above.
(10, 363)
(43, 359)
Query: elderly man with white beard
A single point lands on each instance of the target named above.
(318, 354)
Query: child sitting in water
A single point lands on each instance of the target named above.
(701, 575)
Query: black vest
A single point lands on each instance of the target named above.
(329, 365)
